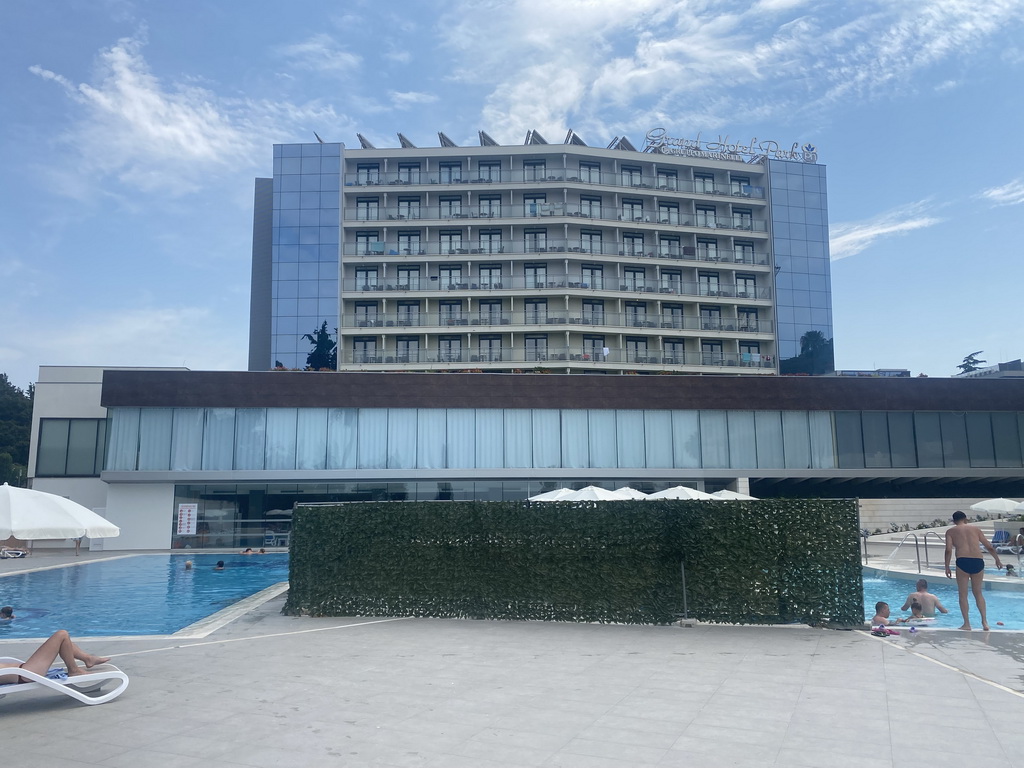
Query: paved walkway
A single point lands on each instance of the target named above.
(271, 690)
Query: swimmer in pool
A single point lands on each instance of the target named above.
(246, 551)
(6, 613)
(929, 602)
(219, 566)
(970, 569)
(881, 617)
(917, 614)
(58, 644)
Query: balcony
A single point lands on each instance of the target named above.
(476, 320)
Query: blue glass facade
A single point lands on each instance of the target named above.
(305, 247)
(799, 230)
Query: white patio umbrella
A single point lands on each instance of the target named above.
(727, 495)
(31, 515)
(630, 493)
(593, 493)
(556, 495)
(680, 492)
(996, 506)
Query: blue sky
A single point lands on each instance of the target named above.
(131, 133)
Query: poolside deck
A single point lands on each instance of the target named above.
(270, 690)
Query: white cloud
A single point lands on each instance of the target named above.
(1008, 194)
(321, 53)
(849, 239)
(406, 99)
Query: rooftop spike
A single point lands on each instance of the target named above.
(486, 141)
(364, 143)
(445, 141)
(406, 144)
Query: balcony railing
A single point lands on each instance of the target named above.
(474, 320)
(553, 357)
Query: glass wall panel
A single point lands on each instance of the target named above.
(686, 439)
(796, 439)
(342, 431)
(768, 433)
(311, 439)
(1006, 439)
(155, 430)
(52, 450)
(928, 435)
(219, 438)
(823, 449)
(490, 438)
(714, 439)
(742, 441)
(575, 439)
(658, 439)
(281, 438)
(602, 439)
(954, 440)
(629, 429)
(123, 451)
(431, 437)
(250, 438)
(186, 439)
(979, 440)
(372, 432)
(547, 438)
(901, 439)
(461, 430)
(849, 441)
(401, 438)
(518, 438)
(875, 428)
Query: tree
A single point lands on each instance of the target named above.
(15, 430)
(971, 362)
(324, 353)
(816, 356)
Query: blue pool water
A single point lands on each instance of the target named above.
(140, 595)
(1003, 605)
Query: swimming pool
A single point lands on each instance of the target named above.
(1005, 605)
(137, 595)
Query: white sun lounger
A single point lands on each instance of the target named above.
(6, 552)
(80, 687)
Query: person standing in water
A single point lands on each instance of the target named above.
(970, 569)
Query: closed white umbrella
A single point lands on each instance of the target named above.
(593, 493)
(727, 495)
(31, 515)
(996, 506)
(680, 492)
(555, 495)
(630, 493)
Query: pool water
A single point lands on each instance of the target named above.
(1005, 605)
(139, 595)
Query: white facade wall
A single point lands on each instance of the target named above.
(144, 512)
(880, 513)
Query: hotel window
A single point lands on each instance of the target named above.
(408, 207)
(450, 173)
(590, 173)
(707, 284)
(71, 447)
(707, 249)
(632, 210)
(744, 253)
(706, 216)
(711, 353)
(368, 173)
(746, 286)
(409, 278)
(748, 319)
(366, 314)
(750, 353)
(536, 311)
(490, 311)
(636, 314)
(743, 218)
(740, 185)
(668, 213)
(593, 312)
(710, 319)
(368, 243)
(590, 206)
(636, 350)
(533, 204)
(632, 244)
(536, 240)
(490, 349)
(675, 351)
(704, 183)
(672, 316)
(631, 177)
(490, 206)
(633, 279)
(536, 348)
(669, 246)
(671, 281)
(367, 208)
(450, 276)
(451, 207)
(593, 348)
(490, 241)
(488, 171)
(407, 349)
(536, 275)
(366, 278)
(490, 275)
(409, 173)
(449, 349)
(592, 276)
(449, 313)
(668, 179)
(590, 241)
(409, 311)
(450, 241)
(364, 349)
(409, 243)
(534, 170)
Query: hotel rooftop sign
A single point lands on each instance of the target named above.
(754, 151)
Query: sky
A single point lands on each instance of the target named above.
(131, 132)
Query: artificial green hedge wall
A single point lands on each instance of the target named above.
(776, 561)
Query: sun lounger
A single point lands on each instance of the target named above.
(84, 688)
(6, 552)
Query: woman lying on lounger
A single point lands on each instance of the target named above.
(58, 644)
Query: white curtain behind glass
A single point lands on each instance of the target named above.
(155, 438)
(401, 438)
(250, 437)
(796, 439)
(311, 440)
(547, 438)
(123, 449)
(431, 438)
(373, 438)
(686, 439)
(219, 438)
(602, 439)
(518, 438)
(742, 441)
(461, 430)
(281, 437)
(823, 450)
(490, 438)
(769, 439)
(187, 439)
(629, 431)
(657, 439)
(714, 439)
(575, 439)
(342, 434)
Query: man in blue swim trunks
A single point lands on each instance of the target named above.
(970, 568)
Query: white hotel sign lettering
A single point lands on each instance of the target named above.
(754, 151)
